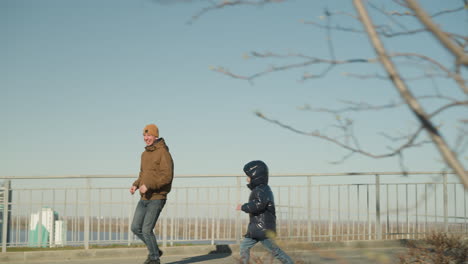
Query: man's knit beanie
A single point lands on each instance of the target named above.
(151, 129)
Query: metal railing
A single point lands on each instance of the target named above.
(98, 210)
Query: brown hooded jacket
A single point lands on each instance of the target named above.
(156, 172)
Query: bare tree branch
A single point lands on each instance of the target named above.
(309, 61)
(362, 106)
(458, 52)
(386, 30)
(349, 138)
(449, 157)
(428, 68)
(454, 75)
(443, 12)
(225, 3)
(382, 30)
(385, 78)
(347, 146)
(386, 14)
(333, 62)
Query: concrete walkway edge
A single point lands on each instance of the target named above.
(54, 255)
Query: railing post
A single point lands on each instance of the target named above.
(172, 229)
(87, 214)
(196, 236)
(369, 235)
(129, 225)
(6, 199)
(330, 216)
(445, 204)
(378, 225)
(309, 208)
(407, 212)
(290, 212)
(238, 224)
(164, 243)
(39, 223)
(213, 209)
(218, 218)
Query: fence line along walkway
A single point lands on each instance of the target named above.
(55, 211)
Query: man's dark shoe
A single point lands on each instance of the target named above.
(148, 260)
(155, 262)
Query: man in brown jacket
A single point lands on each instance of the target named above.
(154, 183)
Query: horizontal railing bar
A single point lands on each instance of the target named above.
(229, 175)
(58, 189)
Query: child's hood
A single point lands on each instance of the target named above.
(257, 170)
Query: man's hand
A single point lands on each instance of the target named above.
(143, 189)
(239, 206)
(133, 189)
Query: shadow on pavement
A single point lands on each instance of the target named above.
(221, 251)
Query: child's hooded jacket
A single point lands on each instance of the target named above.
(261, 205)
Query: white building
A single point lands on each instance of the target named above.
(45, 230)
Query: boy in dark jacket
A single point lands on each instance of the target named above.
(261, 210)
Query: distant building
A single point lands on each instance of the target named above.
(60, 238)
(46, 230)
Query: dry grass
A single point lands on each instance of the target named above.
(437, 248)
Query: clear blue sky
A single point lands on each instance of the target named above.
(80, 79)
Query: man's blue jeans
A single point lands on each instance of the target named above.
(146, 214)
(269, 245)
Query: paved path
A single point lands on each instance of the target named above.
(341, 256)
